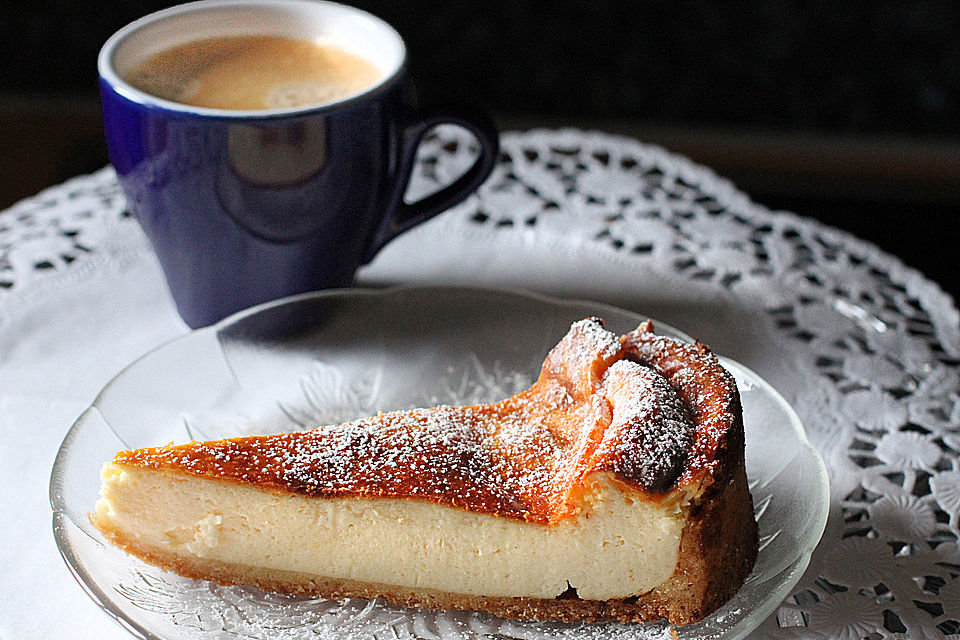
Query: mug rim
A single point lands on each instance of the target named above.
(110, 76)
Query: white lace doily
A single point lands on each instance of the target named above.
(866, 349)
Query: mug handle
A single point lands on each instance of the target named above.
(401, 216)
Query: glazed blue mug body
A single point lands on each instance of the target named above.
(246, 206)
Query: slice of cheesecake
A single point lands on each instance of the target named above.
(613, 489)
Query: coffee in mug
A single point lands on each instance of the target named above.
(248, 201)
(251, 72)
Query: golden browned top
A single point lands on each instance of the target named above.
(656, 413)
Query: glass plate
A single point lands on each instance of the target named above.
(334, 356)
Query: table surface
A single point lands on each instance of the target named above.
(864, 347)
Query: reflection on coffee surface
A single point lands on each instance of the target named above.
(253, 73)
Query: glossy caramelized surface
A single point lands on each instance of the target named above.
(655, 413)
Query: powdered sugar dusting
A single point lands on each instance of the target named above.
(465, 454)
(651, 431)
(580, 358)
(627, 407)
(595, 339)
(707, 390)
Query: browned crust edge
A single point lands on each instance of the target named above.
(717, 551)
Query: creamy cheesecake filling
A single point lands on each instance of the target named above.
(614, 547)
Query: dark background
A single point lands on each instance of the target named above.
(846, 112)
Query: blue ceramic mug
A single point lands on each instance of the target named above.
(246, 206)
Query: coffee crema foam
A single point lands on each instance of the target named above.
(253, 73)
